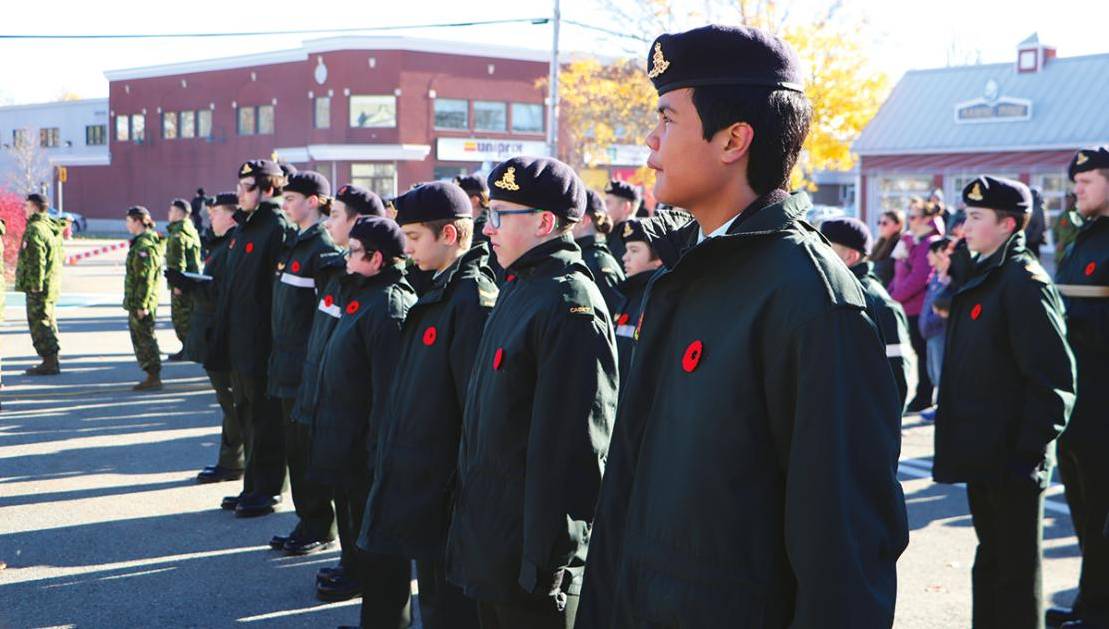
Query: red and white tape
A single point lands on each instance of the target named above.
(74, 259)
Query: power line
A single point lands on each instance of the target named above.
(599, 29)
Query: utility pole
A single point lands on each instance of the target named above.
(552, 95)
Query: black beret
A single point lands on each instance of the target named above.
(632, 230)
(224, 198)
(995, 193)
(474, 185)
(259, 167)
(539, 182)
(181, 204)
(849, 232)
(377, 233)
(287, 169)
(723, 55)
(434, 201)
(309, 183)
(594, 204)
(622, 189)
(138, 211)
(361, 200)
(1087, 159)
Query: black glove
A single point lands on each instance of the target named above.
(179, 280)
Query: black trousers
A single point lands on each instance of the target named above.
(312, 501)
(540, 614)
(442, 604)
(1085, 472)
(264, 435)
(924, 386)
(1008, 573)
(350, 504)
(231, 437)
(386, 591)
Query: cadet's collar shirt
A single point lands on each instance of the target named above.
(719, 231)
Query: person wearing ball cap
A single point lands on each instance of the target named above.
(356, 374)
(1007, 387)
(851, 240)
(756, 363)
(422, 429)
(540, 405)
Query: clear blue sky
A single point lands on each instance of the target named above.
(900, 35)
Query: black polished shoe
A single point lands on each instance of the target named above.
(918, 405)
(178, 357)
(277, 542)
(1056, 616)
(296, 546)
(254, 506)
(217, 474)
(327, 574)
(230, 502)
(340, 589)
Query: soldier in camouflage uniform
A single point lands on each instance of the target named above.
(182, 254)
(140, 294)
(38, 274)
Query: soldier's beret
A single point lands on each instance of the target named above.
(360, 200)
(594, 204)
(377, 233)
(1087, 159)
(181, 204)
(849, 232)
(258, 168)
(623, 190)
(224, 198)
(539, 182)
(138, 211)
(474, 185)
(723, 55)
(309, 183)
(632, 230)
(434, 201)
(287, 169)
(995, 193)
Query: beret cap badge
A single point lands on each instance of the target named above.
(659, 64)
(627, 229)
(246, 170)
(508, 180)
(1081, 159)
(975, 193)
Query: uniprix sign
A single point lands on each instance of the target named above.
(486, 150)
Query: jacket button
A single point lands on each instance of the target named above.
(692, 356)
(1090, 268)
(498, 358)
(430, 335)
(976, 312)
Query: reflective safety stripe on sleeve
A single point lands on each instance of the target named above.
(332, 310)
(625, 330)
(893, 351)
(296, 280)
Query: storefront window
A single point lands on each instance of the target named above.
(447, 173)
(379, 177)
(894, 192)
(373, 111)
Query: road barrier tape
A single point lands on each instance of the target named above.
(73, 259)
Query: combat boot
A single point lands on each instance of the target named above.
(153, 382)
(48, 367)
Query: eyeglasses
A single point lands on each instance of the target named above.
(495, 215)
(349, 253)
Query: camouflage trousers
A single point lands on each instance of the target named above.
(43, 323)
(144, 342)
(180, 311)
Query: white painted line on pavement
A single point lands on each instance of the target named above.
(303, 610)
(909, 467)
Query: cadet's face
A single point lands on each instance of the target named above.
(518, 233)
(849, 256)
(618, 208)
(687, 167)
(984, 232)
(249, 194)
(1092, 191)
(176, 214)
(361, 264)
(135, 227)
(637, 258)
(222, 217)
(339, 223)
(296, 206)
(428, 252)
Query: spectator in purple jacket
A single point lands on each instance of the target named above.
(933, 314)
(910, 283)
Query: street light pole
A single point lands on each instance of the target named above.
(552, 99)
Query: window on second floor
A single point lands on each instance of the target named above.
(169, 125)
(187, 126)
(123, 129)
(373, 111)
(527, 118)
(322, 115)
(204, 123)
(49, 137)
(265, 120)
(490, 116)
(96, 135)
(138, 128)
(452, 113)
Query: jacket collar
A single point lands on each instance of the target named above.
(549, 256)
(595, 241)
(983, 267)
(470, 264)
(314, 231)
(637, 281)
(770, 213)
(863, 269)
(388, 275)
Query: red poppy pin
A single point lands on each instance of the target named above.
(1090, 268)
(498, 358)
(353, 307)
(295, 267)
(249, 247)
(976, 312)
(430, 335)
(510, 277)
(623, 319)
(328, 300)
(692, 356)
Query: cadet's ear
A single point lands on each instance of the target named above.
(548, 222)
(448, 235)
(737, 140)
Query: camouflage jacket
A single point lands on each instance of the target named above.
(183, 247)
(39, 269)
(144, 265)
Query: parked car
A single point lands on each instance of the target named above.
(77, 222)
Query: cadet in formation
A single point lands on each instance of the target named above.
(621, 202)
(182, 254)
(140, 293)
(591, 234)
(408, 510)
(1083, 280)
(1007, 387)
(752, 475)
(301, 271)
(640, 263)
(538, 412)
(850, 239)
(38, 274)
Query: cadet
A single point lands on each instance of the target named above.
(621, 202)
(408, 510)
(477, 189)
(350, 203)
(752, 476)
(1083, 278)
(355, 377)
(38, 274)
(140, 293)
(182, 254)
(243, 336)
(851, 241)
(640, 264)
(1006, 390)
(300, 271)
(204, 294)
(590, 236)
(538, 411)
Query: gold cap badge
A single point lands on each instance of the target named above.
(1081, 159)
(627, 229)
(975, 193)
(507, 180)
(659, 64)
(246, 170)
